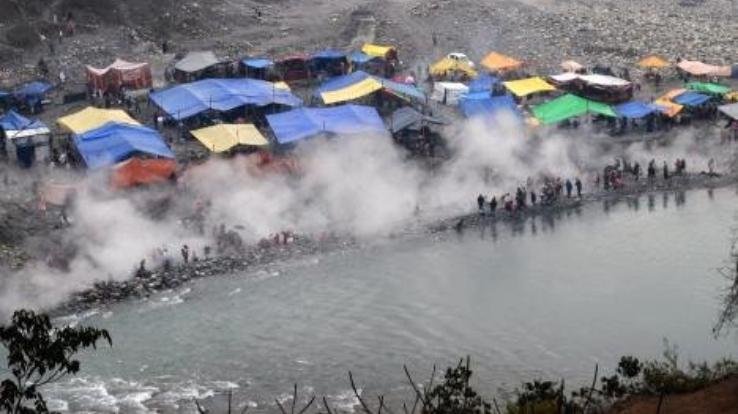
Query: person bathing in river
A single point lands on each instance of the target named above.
(569, 187)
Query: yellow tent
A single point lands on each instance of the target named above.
(669, 96)
(525, 87)
(377, 50)
(653, 62)
(671, 109)
(91, 118)
(222, 137)
(351, 92)
(497, 62)
(282, 85)
(447, 65)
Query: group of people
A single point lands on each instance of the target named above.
(551, 191)
(613, 177)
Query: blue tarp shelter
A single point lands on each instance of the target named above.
(691, 99)
(184, 101)
(115, 142)
(329, 54)
(635, 110)
(32, 93)
(359, 57)
(302, 123)
(13, 121)
(257, 63)
(402, 89)
(483, 82)
(488, 106)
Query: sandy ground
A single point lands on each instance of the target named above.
(721, 398)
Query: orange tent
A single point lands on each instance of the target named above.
(137, 171)
(497, 62)
(653, 62)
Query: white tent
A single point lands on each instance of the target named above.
(449, 93)
(196, 61)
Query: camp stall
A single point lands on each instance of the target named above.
(329, 63)
(596, 87)
(359, 84)
(142, 171)
(25, 141)
(484, 105)
(525, 87)
(224, 137)
(184, 101)
(257, 68)
(387, 55)
(708, 88)
(121, 73)
(115, 142)
(91, 118)
(499, 63)
(196, 65)
(448, 93)
(30, 96)
(452, 70)
(303, 123)
(294, 67)
(570, 106)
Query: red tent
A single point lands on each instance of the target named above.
(137, 171)
(121, 73)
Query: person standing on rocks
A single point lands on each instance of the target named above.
(666, 171)
(569, 187)
(493, 205)
(186, 253)
(480, 203)
(637, 170)
(533, 198)
(578, 185)
(651, 170)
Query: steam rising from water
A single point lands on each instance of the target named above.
(360, 185)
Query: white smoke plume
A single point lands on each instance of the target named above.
(359, 185)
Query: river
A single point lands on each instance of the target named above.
(543, 298)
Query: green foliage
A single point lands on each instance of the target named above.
(455, 395)
(541, 397)
(37, 355)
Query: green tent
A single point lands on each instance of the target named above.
(712, 88)
(569, 106)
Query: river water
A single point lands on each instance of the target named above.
(543, 298)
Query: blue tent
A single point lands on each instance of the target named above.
(13, 121)
(257, 63)
(329, 54)
(32, 93)
(302, 123)
(488, 106)
(115, 142)
(359, 57)
(691, 99)
(483, 82)
(184, 101)
(635, 109)
(402, 89)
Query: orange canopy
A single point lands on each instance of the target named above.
(137, 171)
(653, 62)
(497, 62)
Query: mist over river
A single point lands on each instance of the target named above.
(543, 298)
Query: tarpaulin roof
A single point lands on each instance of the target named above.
(691, 99)
(569, 106)
(698, 68)
(184, 101)
(137, 171)
(483, 82)
(114, 142)
(498, 62)
(595, 79)
(197, 61)
(118, 64)
(635, 109)
(668, 107)
(257, 63)
(653, 62)
(302, 123)
(222, 137)
(571, 66)
(329, 54)
(447, 65)
(91, 118)
(359, 57)
(32, 92)
(713, 88)
(669, 96)
(18, 126)
(408, 116)
(730, 110)
(525, 87)
(377, 50)
(355, 85)
(488, 106)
